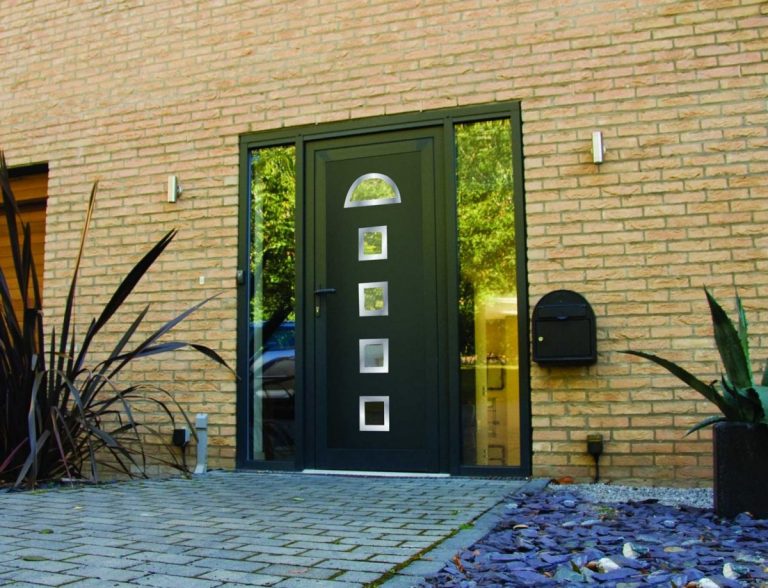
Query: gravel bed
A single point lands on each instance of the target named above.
(615, 536)
(698, 497)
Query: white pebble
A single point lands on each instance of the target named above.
(606, 564)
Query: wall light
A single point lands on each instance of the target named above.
(598, 149)
(174, 188)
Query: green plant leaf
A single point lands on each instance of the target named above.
(762, 394)
(729, 345)
(744, 401)
(707, 390)
(718, 418)
(743, 331)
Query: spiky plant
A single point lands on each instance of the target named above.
(737, 395)
(61, 415)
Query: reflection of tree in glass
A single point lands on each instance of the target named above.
(374, 298)
(372, 243)
(486, 218)
(273, 249)
(373, 189)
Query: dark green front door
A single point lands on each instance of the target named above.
(374, 289)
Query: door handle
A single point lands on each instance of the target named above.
(322, 292)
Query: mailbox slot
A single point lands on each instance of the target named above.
(564, 330)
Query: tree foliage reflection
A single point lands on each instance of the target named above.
(486, 219)
(273, 241)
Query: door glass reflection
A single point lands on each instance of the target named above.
(372, 189)
(488, 318)
(374, 356)
(272, 346)
(373, 298)
(372, 243)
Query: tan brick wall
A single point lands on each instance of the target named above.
(679, 91)
(130, 92)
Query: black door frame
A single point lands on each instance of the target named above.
(450, 434)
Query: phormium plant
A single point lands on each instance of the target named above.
(737, 395)
(61, 415)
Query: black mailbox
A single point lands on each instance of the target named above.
(564, 330)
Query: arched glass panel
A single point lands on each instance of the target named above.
(372, 190)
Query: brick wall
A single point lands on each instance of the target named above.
(130, 92)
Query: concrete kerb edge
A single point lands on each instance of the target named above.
(434, 558)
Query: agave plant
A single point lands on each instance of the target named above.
(61, 415)
(737, 395)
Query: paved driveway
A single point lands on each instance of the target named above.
(241, 529)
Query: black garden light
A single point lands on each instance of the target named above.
(595, 449)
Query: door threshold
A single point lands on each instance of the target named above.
(374, 474)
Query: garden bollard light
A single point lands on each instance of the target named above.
(201, 425)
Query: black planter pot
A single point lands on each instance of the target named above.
(741, 469)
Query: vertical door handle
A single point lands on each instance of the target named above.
(321, 292)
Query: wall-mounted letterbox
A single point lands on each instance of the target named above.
(564, 330)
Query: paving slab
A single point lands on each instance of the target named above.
(242, 529)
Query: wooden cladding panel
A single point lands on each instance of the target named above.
(31, 194)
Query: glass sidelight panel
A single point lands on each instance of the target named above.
(488, 317)
(271, 345)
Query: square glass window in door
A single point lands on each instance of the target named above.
(373, 298)
(374, 413)
(374, 356)
(371, 243)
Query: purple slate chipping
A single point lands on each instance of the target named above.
(562, 539)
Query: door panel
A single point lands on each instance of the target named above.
(377, 399)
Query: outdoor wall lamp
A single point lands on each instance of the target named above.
(598, 149)
(174, 188)
(595, 449)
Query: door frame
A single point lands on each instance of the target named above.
(448, 344)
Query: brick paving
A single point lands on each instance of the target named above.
(242, 529)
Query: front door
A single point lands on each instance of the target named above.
(377, 404)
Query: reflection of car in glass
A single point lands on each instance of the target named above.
(273, 368)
